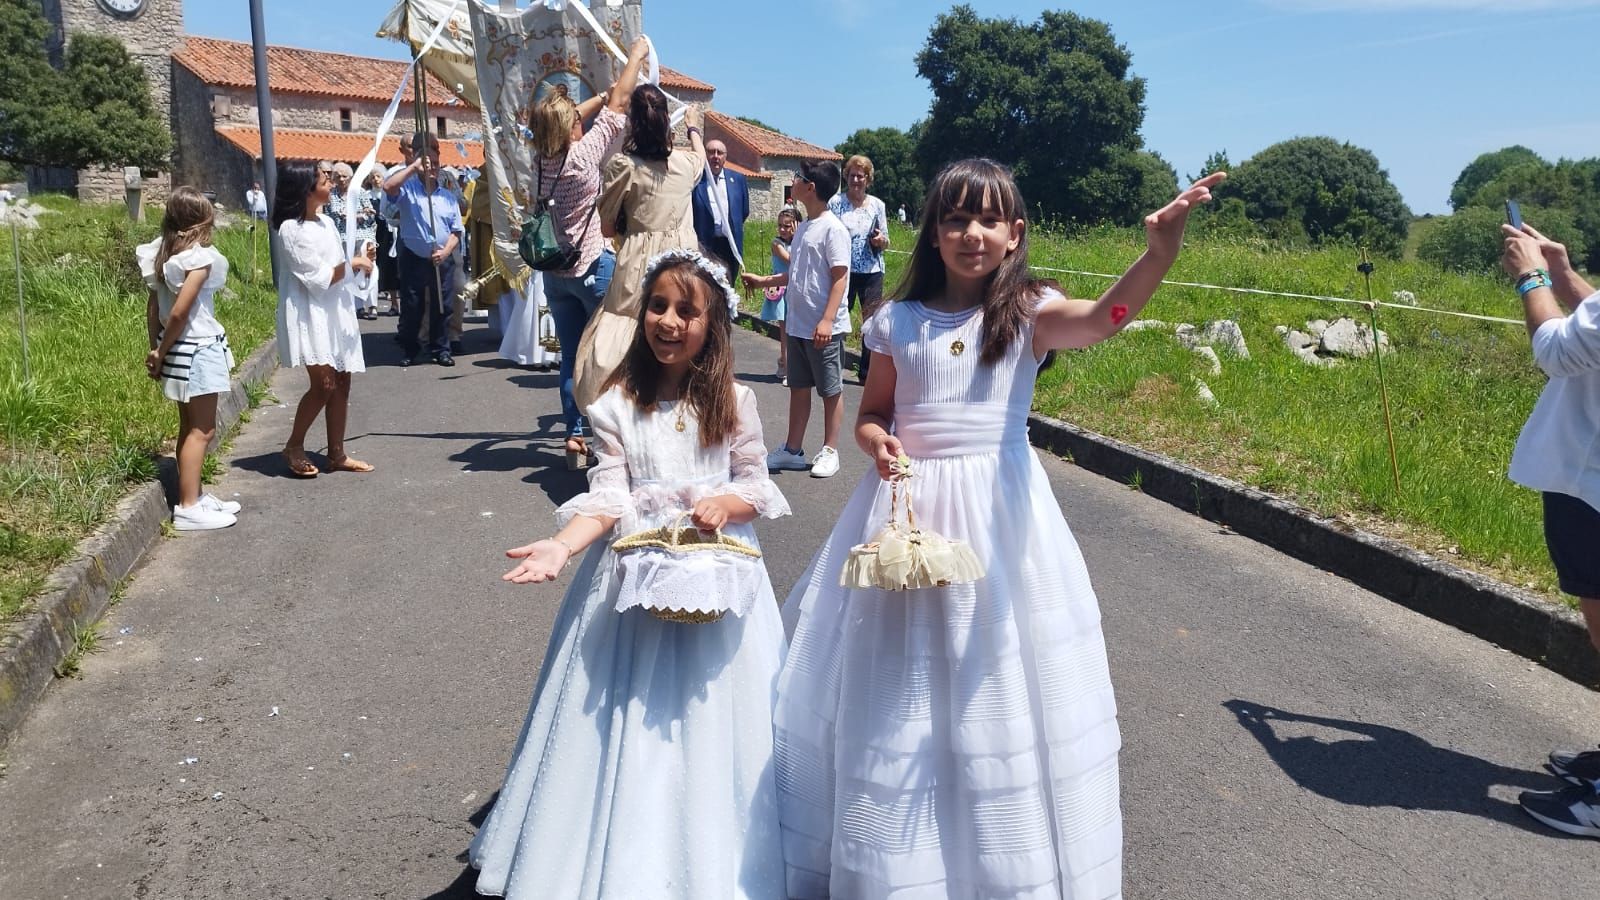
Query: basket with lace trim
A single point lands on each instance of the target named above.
(681, 574)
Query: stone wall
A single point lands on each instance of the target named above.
(784, 170)
(323, 113)
(200, 157)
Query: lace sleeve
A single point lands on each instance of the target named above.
(305, 256)
(747, 463)
(608, 494)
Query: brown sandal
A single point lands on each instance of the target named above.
(346, 464)
(299, 466)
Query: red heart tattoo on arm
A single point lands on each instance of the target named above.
(1118, 313)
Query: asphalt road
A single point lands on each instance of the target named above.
(320, 701)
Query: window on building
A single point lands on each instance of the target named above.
(788, 194)
(221, 106)
(346, 121)
(441, 122)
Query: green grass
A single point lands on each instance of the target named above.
(90, 424)
(1459, 391)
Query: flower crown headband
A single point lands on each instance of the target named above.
(719, 275)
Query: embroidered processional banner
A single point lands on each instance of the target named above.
(508, 61)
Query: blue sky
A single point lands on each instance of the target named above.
(1425, 84)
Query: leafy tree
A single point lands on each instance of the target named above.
(1569, 185)
(1053, 99)
(1132, 184)
(1216, 162)
(1470, 241)
(1320, 190)
(28, 85)
(757, 123)
(895, 179)
(109, 118)
(1485, 169)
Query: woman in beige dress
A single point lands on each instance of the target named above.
(644, 201)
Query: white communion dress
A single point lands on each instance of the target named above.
(644, 769)
(955, 742)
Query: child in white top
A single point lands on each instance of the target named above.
(816, 320)
(189, 352)
(961, 741)
(772, 306)
(645, 766)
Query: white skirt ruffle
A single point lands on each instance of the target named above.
(645, 766)
(954, 742)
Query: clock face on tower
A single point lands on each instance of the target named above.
(125, 8)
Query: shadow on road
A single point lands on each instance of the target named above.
(464, 887)
(1382, 766)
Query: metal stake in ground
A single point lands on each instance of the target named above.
(22, 312)
(1365, 268)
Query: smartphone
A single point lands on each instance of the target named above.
(1514, 214)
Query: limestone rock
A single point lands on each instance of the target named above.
(1213, 364)
(1227, 335)
(1145, 325)
(1317, 327)
(1202, 391)
(1349, 338)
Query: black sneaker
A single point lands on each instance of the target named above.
(1581, 768)
(1574, 810)
(444, 359)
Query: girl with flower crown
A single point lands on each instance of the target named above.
(645, 766)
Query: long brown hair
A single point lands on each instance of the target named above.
(708, 388)
(976, 186)
(649, 124)
(186, 223)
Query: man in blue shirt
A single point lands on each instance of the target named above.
(430, 229)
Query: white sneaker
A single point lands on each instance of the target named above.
(783, 458)
(200, 517)
(212, 501)
(825, 464)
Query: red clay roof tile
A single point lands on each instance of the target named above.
(345, 146)
(767, 143)
(291, 70)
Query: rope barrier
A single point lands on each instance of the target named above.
(1259, 292)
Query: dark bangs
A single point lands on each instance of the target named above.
(975, 187)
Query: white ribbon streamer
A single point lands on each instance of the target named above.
(371, 159)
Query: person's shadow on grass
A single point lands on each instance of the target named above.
(1377, 765)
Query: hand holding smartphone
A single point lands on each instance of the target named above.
(1514, 214)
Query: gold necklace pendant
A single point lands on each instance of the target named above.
(679, 426)
(957, 348)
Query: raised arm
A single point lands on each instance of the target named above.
(1065, 323)
(622, 89)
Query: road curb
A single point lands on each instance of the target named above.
(78, 592)
(1516, 620)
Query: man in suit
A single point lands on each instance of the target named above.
(717, 236)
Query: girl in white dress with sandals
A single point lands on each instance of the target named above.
(317, 325)
(961, 741)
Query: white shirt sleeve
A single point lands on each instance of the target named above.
(837, 245)
(1571, 345)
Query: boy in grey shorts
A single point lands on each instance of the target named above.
(816, 320)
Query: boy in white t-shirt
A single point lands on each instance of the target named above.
(816, 319)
